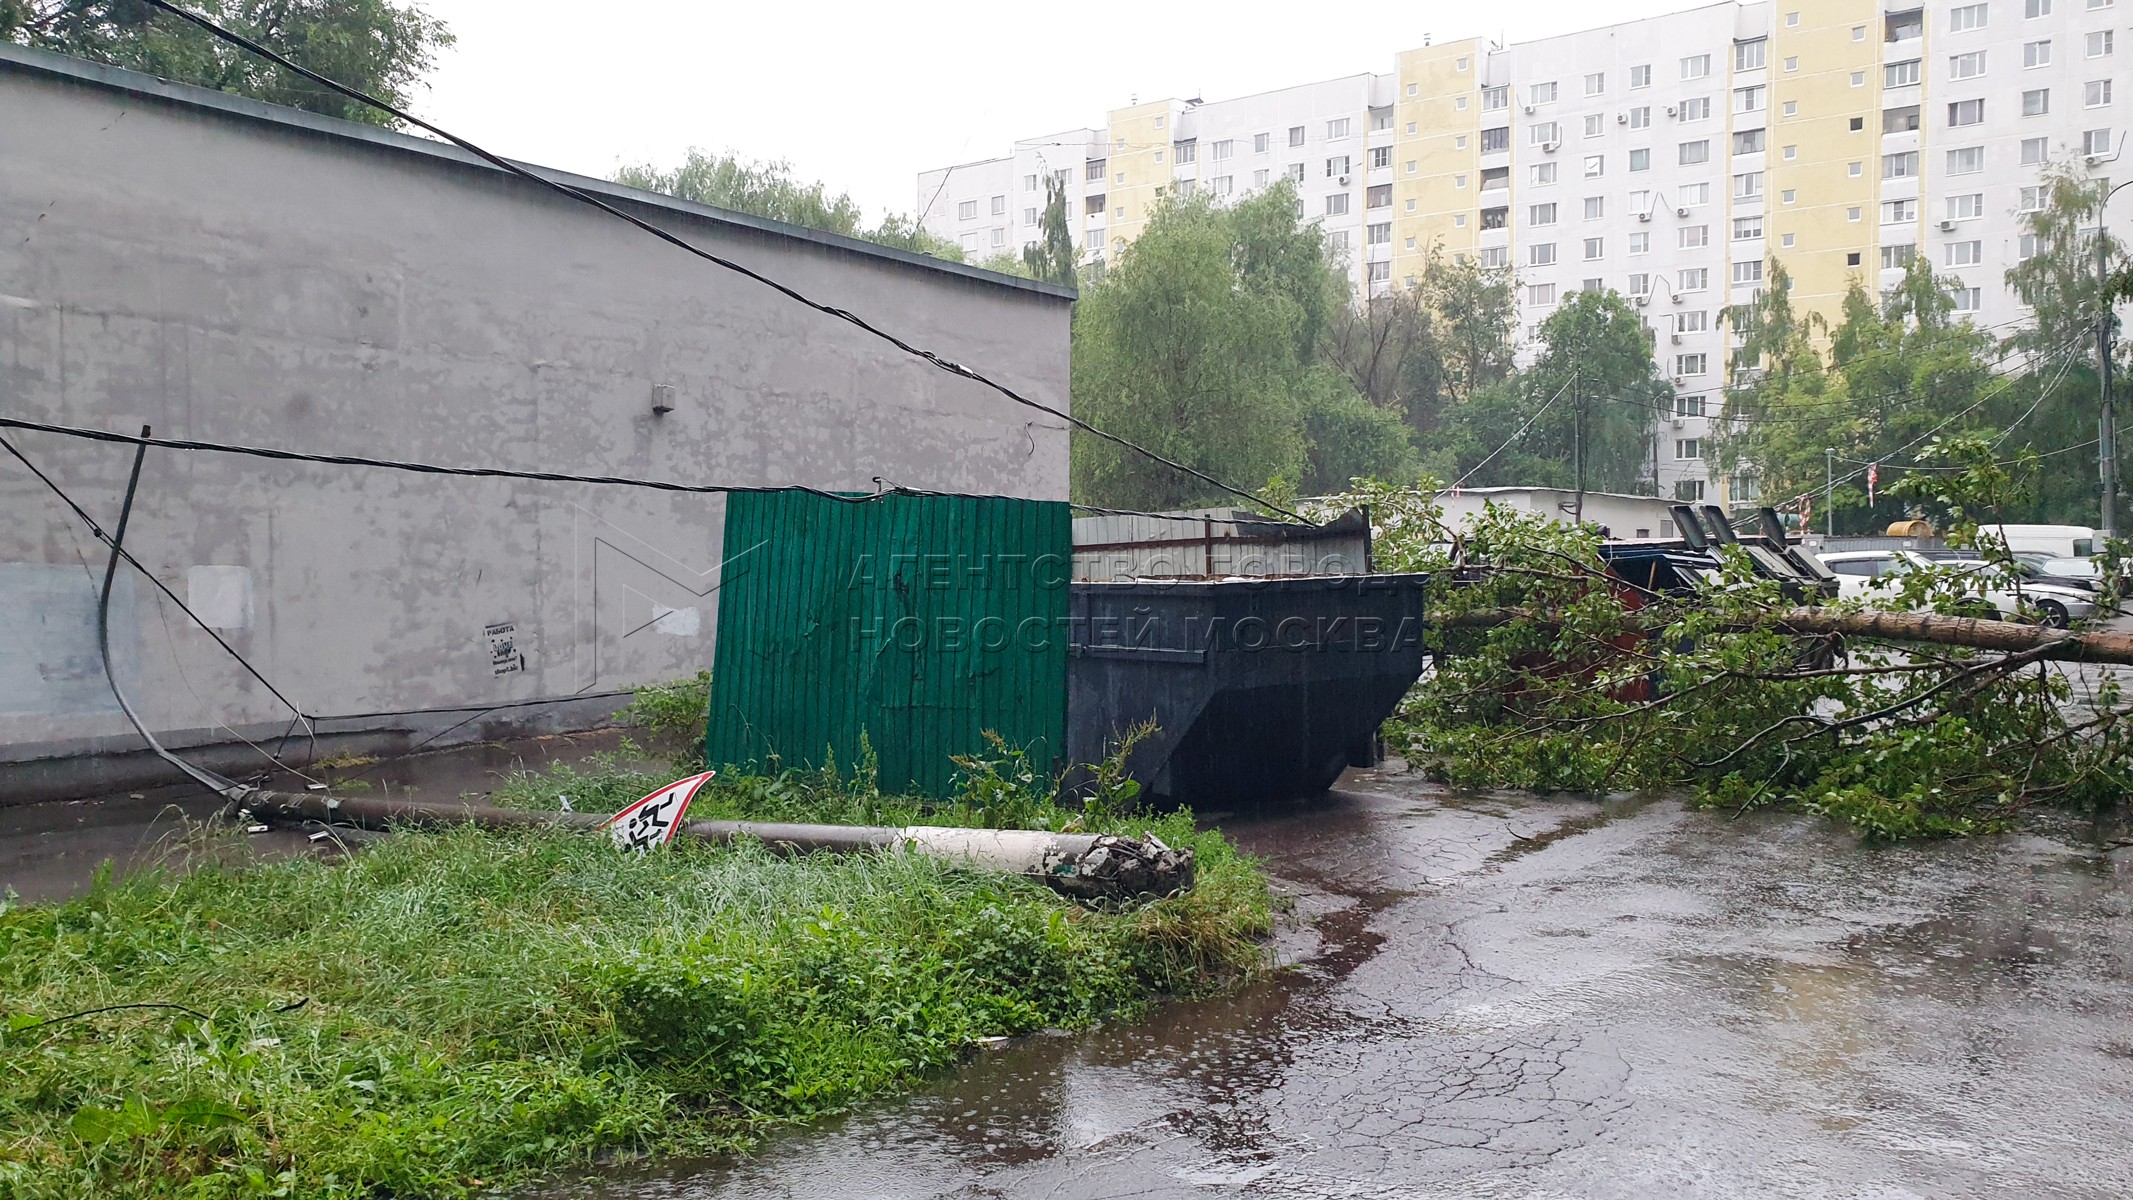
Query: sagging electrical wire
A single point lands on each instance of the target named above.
(584, 197)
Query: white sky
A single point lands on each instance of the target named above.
(864, 96)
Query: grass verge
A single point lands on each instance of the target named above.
(485, 1008)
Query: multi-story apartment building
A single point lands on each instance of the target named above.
(1667, 158)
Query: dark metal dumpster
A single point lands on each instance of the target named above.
(1261, 689)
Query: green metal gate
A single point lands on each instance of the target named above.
(921, 621)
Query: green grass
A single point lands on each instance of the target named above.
(484, 1008)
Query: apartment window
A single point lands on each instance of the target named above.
(1222, 185)
(1029, 183)
(1337, 204)
(1694, 195)
(2036, 151)
(2099, 5)
(1541, 254)
(1968, 16)
(1380, 156)
(1696, 109)
(1640, 117)
(999, 237)
(1966, 254)
(1640, 284)
(970, 240)
(2033, 199)
(1495, 218)
(1546, 133)
(1967, 66)
(1686, 448)
(1295, 171)
(1858, 79)
(1692, 322)
(1688, 406)
(1029, 216)
(1460, 143)
(1748, 141)
(1896, 258)
(2029, 246)
(1899, 120)
(1785, 240)
(2100, 43)
(1696, 66)
(1690, 364)
(1592, 285)
(1640, 160)
(1410, 169)
(1691, 153)
(1094, 205)
(1595, 248)
(1792, 62)
(1900, 166)
(1495, 98)
(1851, 258)
(1296, 135)
(1337, 166)
(1378, 196)
(1541, 93)
(1897, 212)
(1595, 165)
(1380, 272)
(1972, 112)
(1854, 169)
(1748, 185)
(2096, 93)
(1158, 158)
(2036, 102)
(1187, 152)
(1596, 83)
(1595, 207)
(967, 210)
(1694, 237)
(1748, 56)
(1791, 152)
(1379, 234)
(1747, 228)
(2036, 54)
(1381, 118)
(1222, 149)
(1493, 140)
(1495, 258)
(1640, 77)
(1259, 177)
(1540, 293)
(1159, 122)
(1966, 160)
(1640, 243)
(1900, 74)
(2096, 141)
(1687, 490)
(1897, 26)
(1792, 20)
(1969, 299)
(1337, 128)
(1964, 208)
(1543, 174)
(1694, 279)
(2032, 9)
(1751, 99)
(1748, 272)
(1541, 214)
(1495, 177)
(1593, 124)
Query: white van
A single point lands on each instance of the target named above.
(2058, 541)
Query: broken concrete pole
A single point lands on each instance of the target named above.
(1086, 866)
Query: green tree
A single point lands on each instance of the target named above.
(1595, 348)
(1476, 310)
(1198, 344)
(770, 189)
(1051, 259)
(375, 46)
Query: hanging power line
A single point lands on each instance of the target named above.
(584, 197)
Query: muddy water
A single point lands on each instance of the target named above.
(1516, 997)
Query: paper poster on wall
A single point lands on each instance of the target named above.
(505, 658)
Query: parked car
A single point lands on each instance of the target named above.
(2059, 541)
(2051, 602)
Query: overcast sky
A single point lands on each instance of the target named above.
(864, 96)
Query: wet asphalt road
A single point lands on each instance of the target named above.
(1521, 997)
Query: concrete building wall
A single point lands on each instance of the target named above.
(230, 272)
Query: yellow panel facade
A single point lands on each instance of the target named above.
(1140, 166)
(1437, 154)
(1825, 147)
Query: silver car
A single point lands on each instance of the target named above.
(1865, 573)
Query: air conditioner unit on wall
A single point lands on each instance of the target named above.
(1622, 118)
(1549, 147)
(1675, 338)
(1682, 211)
(1529, 110)
(1947, 227)
(1644, 216)
(1672, 109)
(1641, 301)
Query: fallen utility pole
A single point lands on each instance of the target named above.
(1086, 866)
(2010, 637)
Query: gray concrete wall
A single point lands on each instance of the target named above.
(231, 272)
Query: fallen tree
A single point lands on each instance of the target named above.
(2039, 642)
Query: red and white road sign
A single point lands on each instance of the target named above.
(654, 820)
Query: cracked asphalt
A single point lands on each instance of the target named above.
(1515, 996)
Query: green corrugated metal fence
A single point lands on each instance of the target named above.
(920, 620)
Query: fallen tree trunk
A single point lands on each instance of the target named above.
(1087, 866)
(2008, 637)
